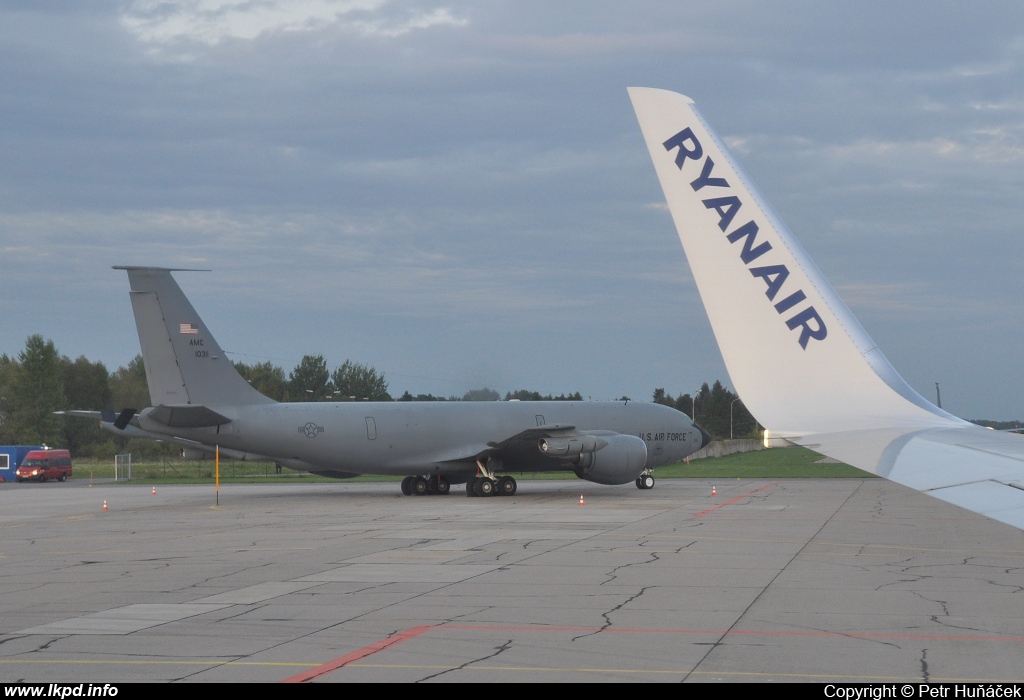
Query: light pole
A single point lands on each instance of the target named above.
(730, 415)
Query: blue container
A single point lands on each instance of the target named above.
(11, 457)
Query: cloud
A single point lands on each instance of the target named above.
(212, 21)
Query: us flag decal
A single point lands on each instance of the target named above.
(189, 329)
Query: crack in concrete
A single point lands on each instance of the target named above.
(924, 666)
(607, 615)
(918, 579)
(611, 574)
(46, 646)
(505, 646)
(947, 623)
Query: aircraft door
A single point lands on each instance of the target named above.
(371, 429)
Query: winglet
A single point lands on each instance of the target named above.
(794, 351)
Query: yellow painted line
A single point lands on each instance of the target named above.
(135, 662)
(865, 545)
(529, 669)
(679, 672)
(83, 552)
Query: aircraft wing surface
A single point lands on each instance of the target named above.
(523, 441)
(531, 435)
(800, 360)
(975, 468)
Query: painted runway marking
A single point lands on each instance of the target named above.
(733, 633)
(732, 500)
(413, 632)
(661, 672)
(320, 670)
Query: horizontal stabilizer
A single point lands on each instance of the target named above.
(186, 416)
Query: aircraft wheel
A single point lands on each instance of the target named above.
(507, 486)
(486, 487)
(469, 487)
(407, 485)
(443, 486)
(648, 481)
(420, 487)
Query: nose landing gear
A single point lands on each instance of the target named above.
(645, 480)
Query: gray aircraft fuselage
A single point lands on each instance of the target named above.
(200, 401)
(406, 437)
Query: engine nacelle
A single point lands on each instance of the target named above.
(194, 455)
(620, 461)
(570, 446)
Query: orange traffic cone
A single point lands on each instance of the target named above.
(154, 490)
(104, 505)
(713, 491)
(581, 499)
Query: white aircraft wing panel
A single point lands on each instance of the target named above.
(975, 468)
(804, 365)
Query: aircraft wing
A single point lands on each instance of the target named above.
(532, 435)
(522, 442)
(187, 416)
(803, 364)
(975, 468)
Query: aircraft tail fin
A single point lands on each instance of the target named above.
(796, 355)
(184, 364)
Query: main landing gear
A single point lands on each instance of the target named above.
(435, 485)
(645, 480)
(487, 484)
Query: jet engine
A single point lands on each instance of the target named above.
(619, 461)
(570, 446)
(194, 455)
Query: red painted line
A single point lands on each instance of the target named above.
(731, 501)
(719, 633)
(414, 632)
(383, 644)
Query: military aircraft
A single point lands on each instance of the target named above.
(803, 364)
(203, 404)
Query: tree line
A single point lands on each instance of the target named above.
(39, 381)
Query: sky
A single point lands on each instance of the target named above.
(458, 194)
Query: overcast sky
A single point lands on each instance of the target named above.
(458, 194)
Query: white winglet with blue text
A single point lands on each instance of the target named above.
(800, 360)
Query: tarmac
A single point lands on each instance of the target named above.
(820, 580)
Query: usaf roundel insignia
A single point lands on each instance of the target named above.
(311, 429)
